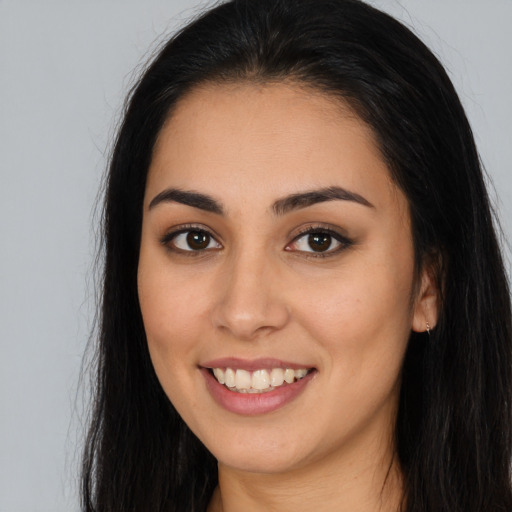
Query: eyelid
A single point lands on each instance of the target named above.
(175, 231)
(345, 242)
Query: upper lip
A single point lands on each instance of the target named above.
(252, 364)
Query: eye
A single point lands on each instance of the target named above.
(191, 240)
(319, 242)
(316, 242)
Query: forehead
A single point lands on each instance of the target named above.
(267, 140)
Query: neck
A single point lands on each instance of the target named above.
(349, 485)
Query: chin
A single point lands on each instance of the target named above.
(259, 454)
(258, 464)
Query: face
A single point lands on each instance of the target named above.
(276, 277)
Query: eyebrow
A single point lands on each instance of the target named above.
(188, 198)
(305, 199)
(280, 207)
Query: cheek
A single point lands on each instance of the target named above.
(361, 315)
(170, 314)
(171, 303)
(361, 322)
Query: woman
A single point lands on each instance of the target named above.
(304, 301)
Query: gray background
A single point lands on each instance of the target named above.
(65, 66)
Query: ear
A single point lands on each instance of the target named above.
(426, 305)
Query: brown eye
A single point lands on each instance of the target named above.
(198, 240)
(192, 241)
(319, 242)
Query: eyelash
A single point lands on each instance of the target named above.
(344, 242)
(168, 238)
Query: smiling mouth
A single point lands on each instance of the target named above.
(258, 381)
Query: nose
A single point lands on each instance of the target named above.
(251, 301)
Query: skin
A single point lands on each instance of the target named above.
(258, 290)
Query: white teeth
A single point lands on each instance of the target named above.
(277, 377)
(289, 375)
(258, 381)
(219, 375)
(243, 379)
(229, 378)
(299, 374)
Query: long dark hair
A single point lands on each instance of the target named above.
(453, 430)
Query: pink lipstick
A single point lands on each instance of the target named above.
(252, 387)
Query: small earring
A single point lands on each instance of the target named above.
(428, 328)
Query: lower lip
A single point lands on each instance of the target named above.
(251, 404)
